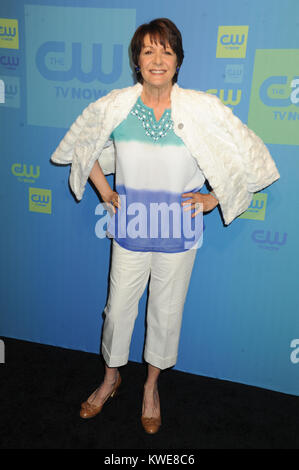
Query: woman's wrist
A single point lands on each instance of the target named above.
(213, 194)
(99, 180)
(106, 193)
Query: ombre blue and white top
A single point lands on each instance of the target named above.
(153, 169)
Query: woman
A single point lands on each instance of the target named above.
(163, 143)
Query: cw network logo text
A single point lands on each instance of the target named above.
(40, 200)
(9, 33)
(276, 92)
(10, 91)
(9, 62)
(232, 42)
(23, 174)
(66, 67)
(58, 61)
(257, 208)
(268, 239)
(228, 97)
(274, 101)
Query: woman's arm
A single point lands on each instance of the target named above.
(99, 180)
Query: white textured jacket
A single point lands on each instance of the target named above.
(233, 159)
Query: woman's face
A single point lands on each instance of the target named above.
(157, 65)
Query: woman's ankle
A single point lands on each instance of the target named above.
(111, 374)
(150, 385)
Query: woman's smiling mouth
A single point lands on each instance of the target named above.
(158, 72)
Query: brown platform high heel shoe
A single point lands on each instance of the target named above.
(88, 410)
(151, 425)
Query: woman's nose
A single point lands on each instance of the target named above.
(158, 58)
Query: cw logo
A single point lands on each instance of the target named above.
(51, 48)
(257, 208)
(295, 354)
(10, 91)
(273, 87)
(226, 96)
(9, 62)
(273, 111)
(232, 41)
(265, 239)
(9, 34)
(7, 31)
(234, 73)
(22, 173)
(40, 200)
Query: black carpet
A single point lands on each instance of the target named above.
(42, 388)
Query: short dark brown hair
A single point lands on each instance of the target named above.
(162, 30)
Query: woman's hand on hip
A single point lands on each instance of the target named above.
(208, 202)
(111, 197)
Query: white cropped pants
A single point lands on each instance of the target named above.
(169, 281)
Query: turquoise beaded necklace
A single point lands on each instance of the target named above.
(155, 130)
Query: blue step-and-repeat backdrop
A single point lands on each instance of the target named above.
(241, 317)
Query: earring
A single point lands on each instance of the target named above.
(177, 69)
(137, 69)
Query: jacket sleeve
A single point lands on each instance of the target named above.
(254, 156)
(84, 143)
(64, 153)
(107, 158)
